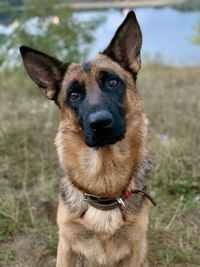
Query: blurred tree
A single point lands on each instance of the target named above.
(196, 37)
(49, 26)
(187, 5)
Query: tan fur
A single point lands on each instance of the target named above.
(101, 238)
(103, 246)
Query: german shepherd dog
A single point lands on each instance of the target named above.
(104, 203)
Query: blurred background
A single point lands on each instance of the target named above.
(169, 85)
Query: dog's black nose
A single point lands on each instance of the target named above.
(100, 120)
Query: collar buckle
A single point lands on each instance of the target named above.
(122, 205)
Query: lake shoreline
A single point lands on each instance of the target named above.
(102, 5)
(125, 4)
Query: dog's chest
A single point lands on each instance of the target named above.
(101, 250)
(104, 222)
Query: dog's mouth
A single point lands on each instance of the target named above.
(103, 140)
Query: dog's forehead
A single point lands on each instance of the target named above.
(89, 70)
(87, 66)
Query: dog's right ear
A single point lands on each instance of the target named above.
(46, 71)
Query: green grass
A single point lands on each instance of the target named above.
(29, 172)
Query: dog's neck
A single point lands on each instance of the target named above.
(75, 200)
(107, 171)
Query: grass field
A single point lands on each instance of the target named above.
(29, 172)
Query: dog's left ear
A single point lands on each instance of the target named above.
(125, 46)
(46, 71)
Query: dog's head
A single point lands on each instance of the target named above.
(94, 97)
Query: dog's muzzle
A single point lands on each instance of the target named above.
(102, 128)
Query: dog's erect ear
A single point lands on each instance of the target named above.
(125, 46)
(47, 72)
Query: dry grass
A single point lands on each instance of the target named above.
(29, 172)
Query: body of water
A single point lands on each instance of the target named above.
(167, 33)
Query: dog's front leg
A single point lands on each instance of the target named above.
(132, 261)
(138, 256)
(65, 256)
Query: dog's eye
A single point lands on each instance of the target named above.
(74, 96)
(113, 83)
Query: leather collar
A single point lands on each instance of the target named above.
(112, 203)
